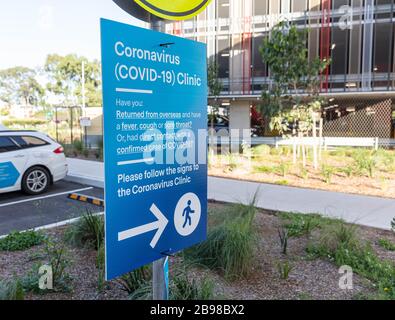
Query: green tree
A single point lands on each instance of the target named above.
(286, 54)
(65, 79)
(215, 88)
(19, 85)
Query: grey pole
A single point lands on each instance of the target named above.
(157, 24)
(159, 291)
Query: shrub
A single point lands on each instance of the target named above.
(344, 234)
(30, 281)
(365, 162)
(327, 173)
(55, 257)
(343, 248)
(282, 182)
(68, 150)
(305, 296)
(58, 260)
(348, 170)
(283, 235)
(385, 158)
(185, 288)
(302, 224)
(19, 241)
(100, 263)
(232, 162)
(100, 144)
(338, 152)
(181, 287)
(283, 168)
(303, 173)
(144, 292)
(13, 123)
(386, 244)
(11, 290)
(263, 169)
(98, 155)
(133, 281)
(286, 151)
(78, 146)
(332, 237)
(275, 151)
(370, 164)
(88, 232)
(284, 269)
(393, 225)
(230, 244)
(261, 151)
(384, 182)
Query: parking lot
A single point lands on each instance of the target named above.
(21, 212)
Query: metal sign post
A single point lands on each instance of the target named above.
(158, 266)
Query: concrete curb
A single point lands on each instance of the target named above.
(94, 182)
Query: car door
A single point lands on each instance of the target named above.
(12, 164)
(36, 149)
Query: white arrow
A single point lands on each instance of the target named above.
(159, 225)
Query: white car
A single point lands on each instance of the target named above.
(30, 161)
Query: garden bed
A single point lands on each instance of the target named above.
(348, 170)
(270, 275)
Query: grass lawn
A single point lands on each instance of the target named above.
(250, 254)
(349, 170)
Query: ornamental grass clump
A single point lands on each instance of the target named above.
(231, 243)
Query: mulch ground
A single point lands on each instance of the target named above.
(381, 185)
(309, 279)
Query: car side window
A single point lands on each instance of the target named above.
(26, 142)
(7, 145)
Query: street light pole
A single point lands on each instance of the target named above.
(84, 102)
(157, 24)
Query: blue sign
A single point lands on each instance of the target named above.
(155, 142)
(9, 175)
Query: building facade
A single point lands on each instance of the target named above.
(357, 35)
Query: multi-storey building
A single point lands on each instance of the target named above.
(357, 35)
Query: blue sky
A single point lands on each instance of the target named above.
(31, 29)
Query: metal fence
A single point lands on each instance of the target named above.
(62, 123)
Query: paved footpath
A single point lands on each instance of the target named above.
(363, 210)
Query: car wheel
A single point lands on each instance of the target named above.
(36, 181)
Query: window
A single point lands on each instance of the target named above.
(7, 145)
(223, 56)
(260, 7)
(339, 51)
(384, 4)
(223, 9)
(298, 5)
(26, 142)
(274, 7)
(383, 48)
(337, 4)
(259, 69)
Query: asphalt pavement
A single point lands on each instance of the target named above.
(20, 212)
